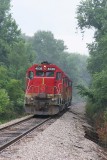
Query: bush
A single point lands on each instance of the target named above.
(16, 94)
(93, 110)
(100, 88)
(4, 101)
(105, 115)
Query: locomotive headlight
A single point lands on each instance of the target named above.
(31, 98)
(44, 67)
(54, 99)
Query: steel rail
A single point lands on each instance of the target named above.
(22, 135)
(15, 123)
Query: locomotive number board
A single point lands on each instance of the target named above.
(39, 68)
(51, 69)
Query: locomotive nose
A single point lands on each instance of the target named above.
(43, 89)
(42, 92)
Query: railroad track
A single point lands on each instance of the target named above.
(11, 134)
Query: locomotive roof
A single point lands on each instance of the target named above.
(51, 65)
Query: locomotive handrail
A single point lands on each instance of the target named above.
(39, 87)
(30, 87)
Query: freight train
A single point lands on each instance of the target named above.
(48, 89)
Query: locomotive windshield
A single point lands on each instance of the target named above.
(50, 74)
(39, 73)
(45, 74)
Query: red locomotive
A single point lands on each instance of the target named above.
(48, 89)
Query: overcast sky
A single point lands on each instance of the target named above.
(57, 16)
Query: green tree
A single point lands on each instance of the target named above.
(9, 32)
(93, 14)
(20, 58)
(4, 101)
(3, 77)
(99, 87)
(47, 47)
(16, 94)
(16, 56)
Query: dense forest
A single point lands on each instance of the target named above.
(18, 52)
(93, 14)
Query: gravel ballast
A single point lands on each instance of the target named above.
(63, 140)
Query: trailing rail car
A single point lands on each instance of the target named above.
(48, 89)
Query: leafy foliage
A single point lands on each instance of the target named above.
(3, 77)
(85, 92)
(4, 100)
(16, 94)
(100, 88)
(47, 47)
(9, 32)
(93, 14)
(15, 57)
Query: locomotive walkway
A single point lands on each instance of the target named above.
(63, 140)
